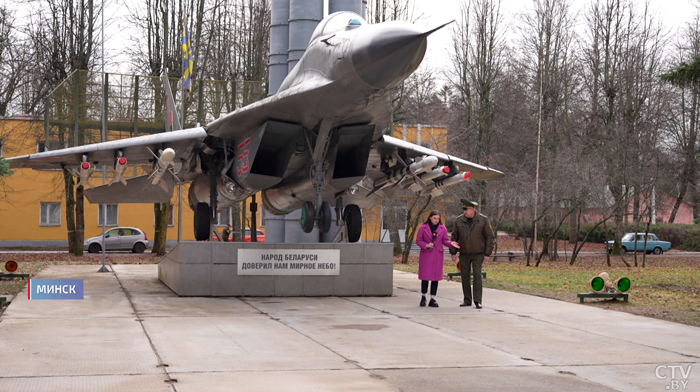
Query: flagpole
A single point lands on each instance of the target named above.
(179, 199)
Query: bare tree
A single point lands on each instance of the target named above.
(379, 11)
(547, 54)
(14, 56)
(162, 23)
(478, 65)
(623, 52)
(62, 36)
(684, 113)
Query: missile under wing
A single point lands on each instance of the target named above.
(307, 146)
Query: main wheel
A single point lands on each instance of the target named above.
(308, 215)
(94, 248)
(202, 222)
(139, 247)
(352, 216)
(658, 251)
(326, 217)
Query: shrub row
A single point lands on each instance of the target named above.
(684, 237)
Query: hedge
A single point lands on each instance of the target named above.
(683, 237)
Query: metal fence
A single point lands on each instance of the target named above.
(134, 105)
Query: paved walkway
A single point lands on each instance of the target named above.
(131, 333)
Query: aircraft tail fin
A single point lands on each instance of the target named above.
(172, 121)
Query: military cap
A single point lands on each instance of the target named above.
(466, 203)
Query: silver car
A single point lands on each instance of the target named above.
(119, 238)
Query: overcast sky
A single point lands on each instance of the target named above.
(674, 13)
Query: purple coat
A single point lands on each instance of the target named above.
(432, 262)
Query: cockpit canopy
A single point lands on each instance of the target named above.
(338, 21)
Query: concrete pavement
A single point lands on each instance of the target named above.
(131, 333)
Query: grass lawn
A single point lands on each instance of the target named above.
(667, 288)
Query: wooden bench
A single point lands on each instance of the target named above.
(624, 296)
(511, 257)
(453, 274)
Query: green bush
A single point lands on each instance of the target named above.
(507, 225)
(683, 237)
(598, 235)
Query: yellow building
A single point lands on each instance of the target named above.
(32, 203)
(429, 136)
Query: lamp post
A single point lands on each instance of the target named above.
(103, 207)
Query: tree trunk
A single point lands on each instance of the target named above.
(395, 239)
(574, 226)
(677, 205)
(161, 211)
(79, 221)
(412, 223)
(70, 210)
(392, 227)
(236, 224)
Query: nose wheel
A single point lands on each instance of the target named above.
(324, 221)
(309, 217)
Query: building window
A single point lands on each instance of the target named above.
(50, 214)
(112, 215)
(171, 216)
(263, 215)
(224, 217)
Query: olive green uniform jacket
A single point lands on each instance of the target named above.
(473, 239)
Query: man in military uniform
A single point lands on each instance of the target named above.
(473, 238)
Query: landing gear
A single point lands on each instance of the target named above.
(308, 216)
(202, 222)
(324, 221)
(352, 216)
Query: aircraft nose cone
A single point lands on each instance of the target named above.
(387, 53)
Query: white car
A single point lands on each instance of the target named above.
(119, 238)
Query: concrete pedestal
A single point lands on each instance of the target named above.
(210, 269)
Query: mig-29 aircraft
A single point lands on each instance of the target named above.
(307, 146)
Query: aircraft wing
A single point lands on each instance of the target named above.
(388, 144)
(136, 150)
(291, 106)
(419, 168)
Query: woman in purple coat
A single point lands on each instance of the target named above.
(432, 237)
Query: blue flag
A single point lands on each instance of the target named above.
(188, 63)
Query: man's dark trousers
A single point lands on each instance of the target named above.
(467, 262)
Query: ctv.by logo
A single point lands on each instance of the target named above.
(679, 376)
